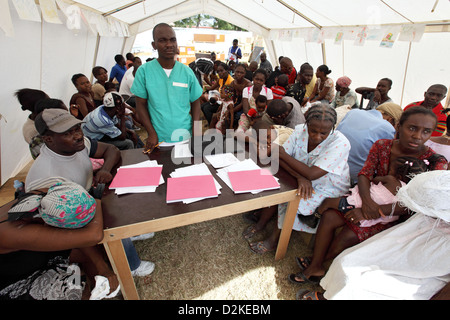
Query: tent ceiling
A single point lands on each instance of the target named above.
(279, 14)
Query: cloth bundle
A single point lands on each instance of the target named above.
(64, 205)
(407, 261)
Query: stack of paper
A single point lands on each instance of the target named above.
(252, 181)
(257, 180)
(137, 178)
(182, 151)
(221, 160)
(192, 183)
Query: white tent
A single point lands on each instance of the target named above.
(45, 42)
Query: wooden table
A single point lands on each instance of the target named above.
(134, 214)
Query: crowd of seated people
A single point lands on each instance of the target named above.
(335, 146)
(374, 137)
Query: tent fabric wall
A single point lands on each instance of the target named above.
(428, 64)
(107, 49)
(21, 67)
(42, 56)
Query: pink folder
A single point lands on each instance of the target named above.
(252, 180)
(190, 187)
(136, 177)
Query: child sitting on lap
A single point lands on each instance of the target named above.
(248, 120)
(382, 189)
(280, 88)
(256, 114)
(225, 113)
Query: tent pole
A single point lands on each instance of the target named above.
(406, 71)
(447, 102)
(300, 14)
(42, 57)
(274, 52)
(94, 63)
(324, 54)
(122, 8)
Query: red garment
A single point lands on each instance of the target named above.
(377, 164)
(278, 92)
(442, 118)
(364, 233)
(252, 112)
(292, 76)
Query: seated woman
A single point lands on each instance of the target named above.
(316, 155)
(324, 87)
(382, 189)
(82, 102)
(414, 128)
(98, 88)
(409, 261)
(224, 117)
(249, 96)
(345, 96)
(225, 78)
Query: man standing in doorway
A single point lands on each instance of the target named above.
(167, 92)
(234, 53)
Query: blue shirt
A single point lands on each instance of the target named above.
(117, 72)
(362, 128)
(235, 51)
(168, 98)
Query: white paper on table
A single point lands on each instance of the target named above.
(147, 163)
(182, 151)
(221, 160)
(200, 169)
(171, 144)
(247, 164)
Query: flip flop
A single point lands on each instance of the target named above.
(303, 262)
(305, 294)
(259, 247)
(311, 280)
(249, 232)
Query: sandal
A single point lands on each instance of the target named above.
(304, 294)
(311, 280)
(303, 262)
(259, 247)
(249, 232)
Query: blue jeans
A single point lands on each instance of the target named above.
(133, 259)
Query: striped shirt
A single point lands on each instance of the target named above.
(98, 123)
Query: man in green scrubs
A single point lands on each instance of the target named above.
(167, 93)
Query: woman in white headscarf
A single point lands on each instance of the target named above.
(408, 261)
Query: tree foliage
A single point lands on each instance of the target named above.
(204, 20)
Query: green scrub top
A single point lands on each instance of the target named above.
(168, 98)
